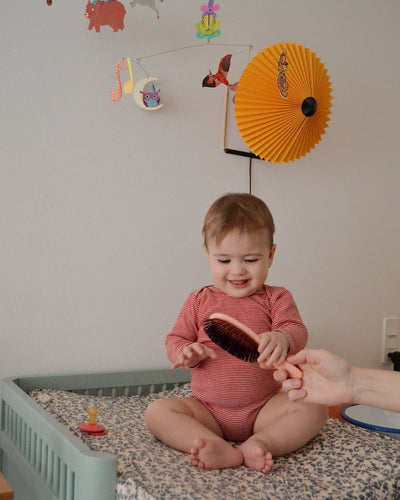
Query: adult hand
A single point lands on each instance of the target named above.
(327, 378)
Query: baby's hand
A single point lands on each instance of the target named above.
(192, 354)
(273, 349)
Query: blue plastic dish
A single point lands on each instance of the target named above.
(374, 419)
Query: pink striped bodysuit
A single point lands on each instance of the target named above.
(233, 390)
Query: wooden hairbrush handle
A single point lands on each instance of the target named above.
(293, 371)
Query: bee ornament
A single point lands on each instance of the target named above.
(209, 26)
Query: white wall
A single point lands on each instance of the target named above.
(101, 203)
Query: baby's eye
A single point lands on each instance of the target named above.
(223, 261)
(250, 261)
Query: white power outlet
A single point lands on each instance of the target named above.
(390, 338)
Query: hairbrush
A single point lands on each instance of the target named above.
(239, 340)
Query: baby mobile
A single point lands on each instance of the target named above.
(145, 92)
(282, 100)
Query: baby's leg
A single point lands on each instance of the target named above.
(281, 426)
(186, 425)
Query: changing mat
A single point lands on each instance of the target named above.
(342, 462)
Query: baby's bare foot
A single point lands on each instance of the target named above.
(214, 454)
(256, 456)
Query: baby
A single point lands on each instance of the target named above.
(234, 400)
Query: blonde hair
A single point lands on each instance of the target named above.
(237, 211)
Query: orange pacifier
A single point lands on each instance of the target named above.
(91, 427)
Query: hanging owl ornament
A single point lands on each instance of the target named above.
(151, 98)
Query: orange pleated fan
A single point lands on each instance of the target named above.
(283, 102)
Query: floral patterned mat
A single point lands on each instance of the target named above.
(342, 462)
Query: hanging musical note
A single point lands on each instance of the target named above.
(116, 94)
(129, 84)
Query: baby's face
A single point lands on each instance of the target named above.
(239, 264)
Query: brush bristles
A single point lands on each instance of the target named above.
(231, 339)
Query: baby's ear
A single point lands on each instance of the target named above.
(271, 254)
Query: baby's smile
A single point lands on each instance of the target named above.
(239, 283)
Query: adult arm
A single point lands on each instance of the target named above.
(329, 379)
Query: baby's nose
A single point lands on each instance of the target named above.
(238, 268)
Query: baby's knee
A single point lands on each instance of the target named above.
(159, 410)
(152, 413)
(318, 413)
